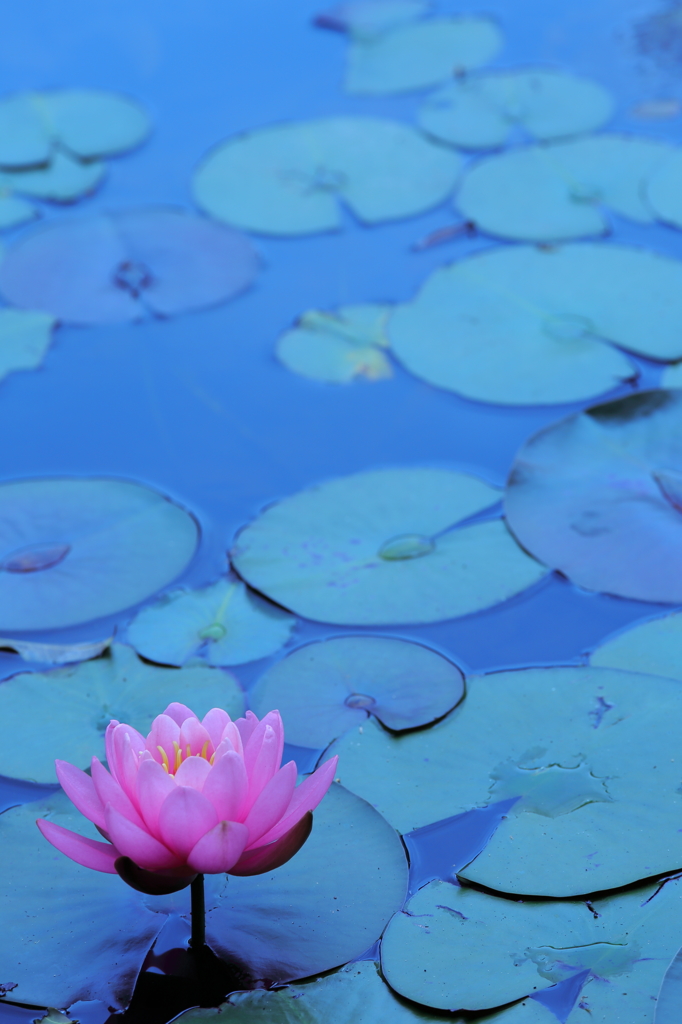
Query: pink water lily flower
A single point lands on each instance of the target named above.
(194, 797)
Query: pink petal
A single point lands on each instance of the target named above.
(154, 784)
(214, 722)
(267, 858)
(185, 816)
(110, 792)
(125, 749)
(306, 798)
(194, 736)
(271, 804)
(179, 712)
(193, 772)
(88, 852)
(226, 786)
(272, 721)
(232, 733)
(81, 791)
(246, 726)
(164, 732)
(261, 767)
(138, 844)
(223, 747)
(219, 849)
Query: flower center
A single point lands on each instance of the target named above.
(178, 755)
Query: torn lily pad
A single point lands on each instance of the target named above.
(598, 497)
(25, 337)
(122, 266)
(338, 347)
(561, 190)
(653, 647)
(588, 754)
(482, 111)
(663, 190)
(226, 624)
(71, 707)
(76, 549)
(449, 940)
(325, 688)
(524, 325)
(289, 179)
(384, 547)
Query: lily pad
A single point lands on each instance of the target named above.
(24, 339)
(663, 190)
(70, 708)
(225, 623)
(590, 756)
(327, 687)
(384, 547)
(123, 266)
(289, 179)
(420, 54)
(561, 190)
(14, 211)
(481, 111)
(63, 180)
(55, 654)
(75, 549)
(523, 325)
(598, 496)
(672, 376)
(456, 948)
(668, 1002)
(324, 907)
(364, 19)
(653, 647)
(338, 347)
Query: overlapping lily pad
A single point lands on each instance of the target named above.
(526, 325)
(122, 266)
(24, 339)
(338, 347)
(384, 547)
(663, 190)
(75, 549)
(289, 179)
(63, 180)
(653, 647)
(561, 190)
(598, 496)
(70, 708)
(225, 623)
(420, 54)
(455, 947)
(590, 754)
(325, 688)
(481, 111)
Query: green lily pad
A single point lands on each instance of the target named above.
(668, 1002)
(327, 687)
(672, 376)
(380, 548)
(63, 180)
(420, 54)
(481, 111)
(598, 496)
(654, 648)
(456, 948)
(338, 347)
(523, 325)
(364, 19)
(324, 907)
(14, 211)
(69, 708)
(663, 190)
(24, 339)
(55, 654)
(288, 179)
(561, 190)
(75, 549)
(591, 754)
(225, 623)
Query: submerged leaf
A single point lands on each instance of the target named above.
(338, 347)
(25, 337)
(288, 179)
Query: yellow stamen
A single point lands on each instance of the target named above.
(164, 755)
(204, 749)
(212, 758)
(178, 754)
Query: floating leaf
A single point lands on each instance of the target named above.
(55, 654)
(590, 756)
(458, 948)
(652, 647)
(598, 496)
(419, 55)
(63, 180)
(380, 548)
(288, 179)
(70, 708)
(325, 688)
(668, 1002)
(337, 347)
(14, 211)
(24, 339)
(75, 549)
(324, 907)
(364, 19)
(663, 190)
(523, 325)
(561, 190)
(672, 376)
(225, 623)
(121, 266)
(481, 111)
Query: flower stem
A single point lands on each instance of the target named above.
(198, 939)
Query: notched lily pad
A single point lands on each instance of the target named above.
(338, 347)
(325, 688)
(598, 496)
(226, 624)
(76, 549)
(384, 547)
(25, 337)
(588, 754)
(561, 190)
(123, 266)
(289, 179)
